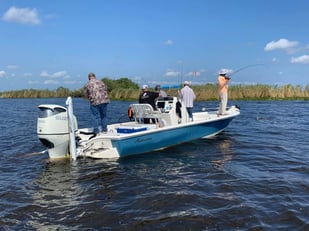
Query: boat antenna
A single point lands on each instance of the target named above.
(245, 67)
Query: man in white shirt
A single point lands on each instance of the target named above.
(187, 97)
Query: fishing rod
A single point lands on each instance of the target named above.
(245, 67)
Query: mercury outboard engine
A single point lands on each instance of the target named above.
(53, 129)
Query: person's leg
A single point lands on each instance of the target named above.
(95, 118)
(224, 102)
(221, 105)
(189, 110)
(103, 116)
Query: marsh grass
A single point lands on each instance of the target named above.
(237, 92)
(254, 92)
(202, 92)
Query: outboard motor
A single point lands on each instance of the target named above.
(53, 129)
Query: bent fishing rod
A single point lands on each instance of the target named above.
(243, 68)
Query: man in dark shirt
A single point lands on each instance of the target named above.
(148, 97)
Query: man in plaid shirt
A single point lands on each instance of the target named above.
(96, 91)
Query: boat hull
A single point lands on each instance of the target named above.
(149, 141)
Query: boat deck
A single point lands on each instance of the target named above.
(132, 127)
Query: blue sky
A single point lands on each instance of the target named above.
(48, 44)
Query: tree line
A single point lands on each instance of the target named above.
(126, 89)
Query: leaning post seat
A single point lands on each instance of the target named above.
(141, 111)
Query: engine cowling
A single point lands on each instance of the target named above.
(53, 129)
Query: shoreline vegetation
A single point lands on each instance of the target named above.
(125, 89)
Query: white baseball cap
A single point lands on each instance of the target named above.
(223, 71)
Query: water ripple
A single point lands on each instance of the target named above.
(253, 176)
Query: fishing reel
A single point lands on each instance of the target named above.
(227, 77)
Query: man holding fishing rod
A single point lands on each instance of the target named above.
(223, 81)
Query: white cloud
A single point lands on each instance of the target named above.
(172, 73)
(59, 74)
(51, 82)
(12, 67)
(281, 44)
(2, 74)
(169, 42)
(27, 74)
(301, 59)
(56, 75)
(22, 15)
(274, 60)
(33, 82)
(44, 74)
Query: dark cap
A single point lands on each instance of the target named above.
(157, 87)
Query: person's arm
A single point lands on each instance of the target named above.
(180, 93)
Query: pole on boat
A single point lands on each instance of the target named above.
(71, 128)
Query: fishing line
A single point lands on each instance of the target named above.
(245, 67)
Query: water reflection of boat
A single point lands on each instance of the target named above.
(64, 188)
(225, 148)
(57, 129)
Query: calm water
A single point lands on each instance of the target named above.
(254, 176)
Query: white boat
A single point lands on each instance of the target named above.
(57, 129)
